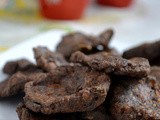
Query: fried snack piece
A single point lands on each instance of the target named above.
(88, 44)
(98, 114)
(26, 114)
(12, 67)
(15, 84)
(47, 59)
(135, 67)
(147, 50)
(69, 89)
(137, 99)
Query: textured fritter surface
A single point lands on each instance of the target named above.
(137, 99)
(135, 67)
(26, 114)
(47, 59)
(88, 44)
(68, 89)
(98, 114)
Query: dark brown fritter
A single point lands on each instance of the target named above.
(137, 99)
(15, 84)
(88, 44)
(147, 50)
(47, 59)
(135, 67)
(98, 114)
(26, 114)
(12, 67)
(68, 89)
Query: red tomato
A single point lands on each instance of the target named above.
(63, 9)
(117, 3)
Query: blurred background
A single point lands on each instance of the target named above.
(134, 21)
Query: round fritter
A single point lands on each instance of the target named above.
(135, 67)
(47, 59)
(88, 44)
(137, 99)
(69, 89)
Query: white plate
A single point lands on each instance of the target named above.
(24, 50)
